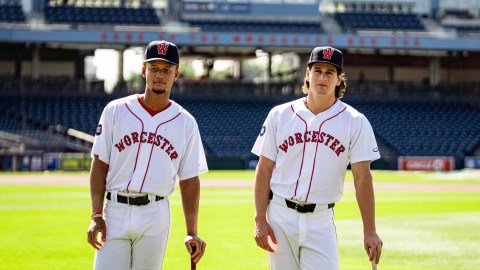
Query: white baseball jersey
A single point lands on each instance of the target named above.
(312, 152)
(144, 152)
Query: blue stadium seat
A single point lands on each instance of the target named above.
(11, 12)
(105, 15)
(229, 126)
(393, 122)
(379, 21)
(258, 26)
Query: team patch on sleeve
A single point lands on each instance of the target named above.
(99, 130)
(262, 131)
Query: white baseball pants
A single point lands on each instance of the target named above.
(136, 236)
(305, 241)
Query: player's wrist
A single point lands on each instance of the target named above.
(95, 215)
(260, 218)
(368, 233)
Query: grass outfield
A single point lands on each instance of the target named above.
(44, 226)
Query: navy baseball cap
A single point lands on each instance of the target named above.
(162, 50)
(328, 55)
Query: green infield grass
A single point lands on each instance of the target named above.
(44, 226)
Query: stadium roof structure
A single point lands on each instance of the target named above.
(238, 42)
(177, 26)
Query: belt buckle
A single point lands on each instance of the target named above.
(297, 206)
(138, 201)
(145, 200)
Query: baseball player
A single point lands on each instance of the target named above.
(304, 148)
(142, 143)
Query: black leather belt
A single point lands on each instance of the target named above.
(143, 200)
(304, 208)
(301, 208)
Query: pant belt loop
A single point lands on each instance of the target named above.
(113, 196)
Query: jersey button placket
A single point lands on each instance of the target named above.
(302, 125)
(316, 122)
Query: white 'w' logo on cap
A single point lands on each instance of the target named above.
(327, 54)
(162, 48)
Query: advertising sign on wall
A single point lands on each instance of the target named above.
(472, 162)
(199, 7)
(234, 8)
(426, 163)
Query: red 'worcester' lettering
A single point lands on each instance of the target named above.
(315, 136)
(142, 139)
(312, 137)
(298, 138)
(120, 146)
(135, 137)
(339, 150)
(148, 138)
(306, 136)
(329, 138)
(284, 146)
(127, 140)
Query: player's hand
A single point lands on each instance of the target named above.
(263, 231)
(373, 246)
(97, 226)
(199, 244)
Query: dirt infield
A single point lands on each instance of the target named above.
(82, 179)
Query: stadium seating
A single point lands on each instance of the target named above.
(36, 138)
(101, 15)
(261, 26)
(467, 28)
(463, 21)
(462, 26)
(8, 83)
(425, 128)
(229, 125)
(454, 13)
(379, 21)
(11, 12)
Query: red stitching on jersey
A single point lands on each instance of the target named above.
(316, 149)
(304, 146)
(139, 143)
(151, 150)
